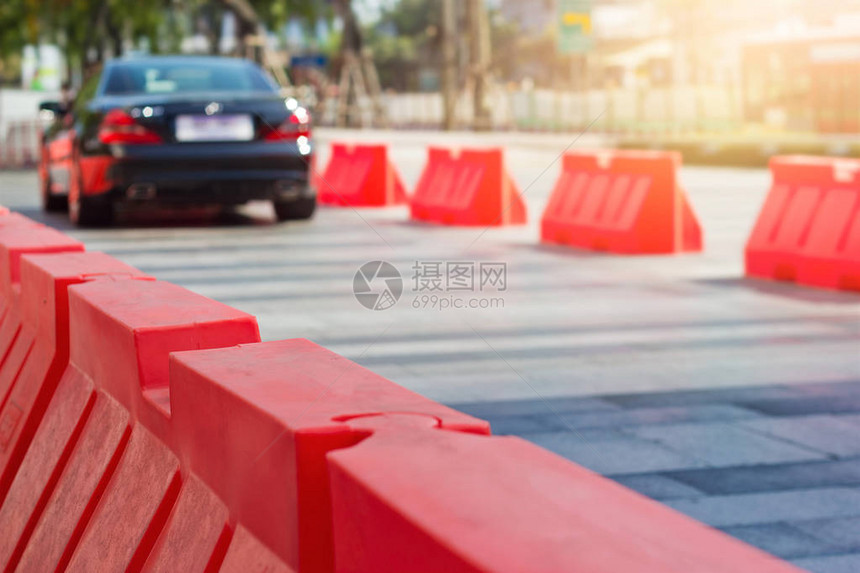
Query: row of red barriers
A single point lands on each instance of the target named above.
(622, 202)
(625, 202)
(467, 188)
(146, 428)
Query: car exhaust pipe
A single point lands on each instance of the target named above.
(288, 190)
(141, 191)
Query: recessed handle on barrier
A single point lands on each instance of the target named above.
(604, 159)
(845, 171)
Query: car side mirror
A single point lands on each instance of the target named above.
(49, 110)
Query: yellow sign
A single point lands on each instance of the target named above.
(574, 34)
(580, 19)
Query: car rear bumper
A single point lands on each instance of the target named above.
(210, 173)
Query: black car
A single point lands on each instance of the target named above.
(177, 130)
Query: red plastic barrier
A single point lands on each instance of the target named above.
(360, 176)
(289, 403)
(197, 529)
(40, 353)
(18, 239)
(809, 227)
(97, 487)
(10, 219)
(176, 441)
(469, 188)
(246, 553)
(75, 448)
(3, 210)
(432, 500)
(627, 202)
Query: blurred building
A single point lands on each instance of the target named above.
(792, 64)
(805, 79)
(534, 17)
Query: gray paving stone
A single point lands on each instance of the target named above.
(827, 434)
(853, 419)
(847, 388)
(534, 406)
(613, 457)
(590, 435)
(846, 403)
(781, 539)
(653, 416)
(758, 508)
(843, 533)
(725, 444)
(517, 425)
(658, 487)
(619, 349)
(777, 477)
(831, 564)
(689, 397)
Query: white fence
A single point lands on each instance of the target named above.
(20, 127)
(653, 110)
(19, 147)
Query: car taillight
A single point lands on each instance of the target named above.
(119, 127)
(297, 125)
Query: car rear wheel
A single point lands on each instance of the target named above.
(50, 202)
(84, 211)
(295, 210)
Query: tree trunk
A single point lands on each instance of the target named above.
(449, 64)
(479, 56)
(247, 21)
(214, 22)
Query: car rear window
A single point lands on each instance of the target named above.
(185, 77)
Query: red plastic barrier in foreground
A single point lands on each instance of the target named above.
(808, 230)
(21, 238)
(18, 239)
(626, 202)
(360, 176)
(40, 354)
(468, 188)
(289, 403)
(428, 500)
(10, 219)
(97, 487)
(176, 441)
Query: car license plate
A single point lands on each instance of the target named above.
(214, 128)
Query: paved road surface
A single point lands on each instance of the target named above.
(737, 402)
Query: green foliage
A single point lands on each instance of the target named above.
(78, 25)
(411, 18)
(275, 13)
(405, 38)
(75, 25)
(17, 24)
